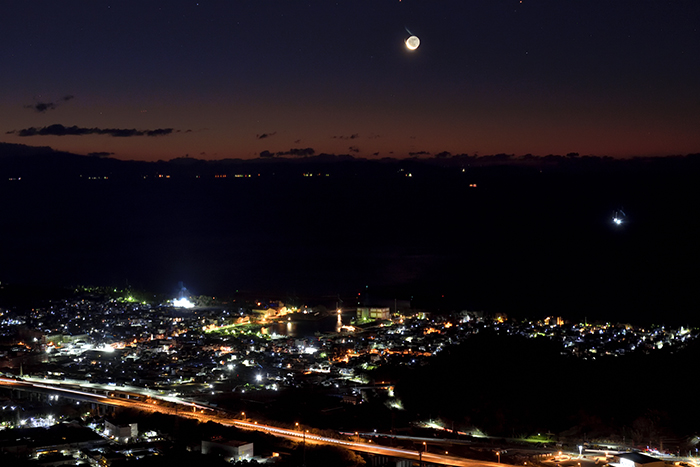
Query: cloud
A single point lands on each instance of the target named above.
(265, 135)
(353, 136)
(298, 152)
(42, 107)
(419, 153)
(100, 154)
(354, 149)
(60, 130)
(159, 132)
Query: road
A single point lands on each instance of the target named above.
(577, 461)
(111, 396)
(432, 458)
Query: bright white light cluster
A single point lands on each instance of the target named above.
(183, 303)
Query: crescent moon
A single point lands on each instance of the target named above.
(412, 43)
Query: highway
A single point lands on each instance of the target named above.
(428, 457)
(114, 397)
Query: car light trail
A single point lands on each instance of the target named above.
(82, 393)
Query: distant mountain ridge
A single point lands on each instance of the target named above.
(41, 162)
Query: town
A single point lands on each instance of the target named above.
(214, 353)
(111, 338)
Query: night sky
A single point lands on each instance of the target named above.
(220, 79)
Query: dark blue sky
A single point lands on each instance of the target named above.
(235, 78)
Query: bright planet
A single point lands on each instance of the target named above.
(412, 42)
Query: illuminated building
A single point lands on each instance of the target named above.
(373, 314)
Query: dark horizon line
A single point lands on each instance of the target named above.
(309, 154)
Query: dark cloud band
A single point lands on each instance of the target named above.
(60, 130)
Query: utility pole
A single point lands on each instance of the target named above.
(303, 459)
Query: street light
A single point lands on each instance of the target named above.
(498, 453)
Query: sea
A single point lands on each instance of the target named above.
(528, 245)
